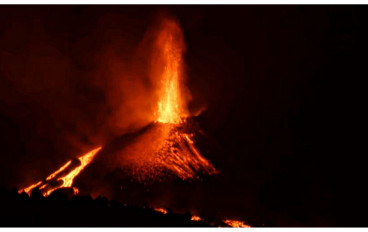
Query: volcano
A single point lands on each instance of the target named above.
(164, 147)
(163, 152)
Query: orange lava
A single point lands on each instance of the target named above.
(235, 223)
(59, 170)
(65, 179)
(161, 210)
(85, 160)
(195, 218)
(164, 151)
(29, 188)
(170, 47)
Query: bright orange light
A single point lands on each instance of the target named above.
(235, 223)
(67, 180)
(29, 188)
(161, 210)
(59, 170)
(85, 159)
(195, 218)
(170, 51)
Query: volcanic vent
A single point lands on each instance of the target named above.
(163, 149)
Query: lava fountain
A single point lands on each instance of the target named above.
(169, 62)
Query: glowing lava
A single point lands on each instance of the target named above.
(85, 160)
(170, 47)
(195, 218)
(161, 210)
(235, 223)
(64, 176)
(29, 188)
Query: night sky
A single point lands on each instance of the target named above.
(283, 88)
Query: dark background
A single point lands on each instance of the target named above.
(283, 88)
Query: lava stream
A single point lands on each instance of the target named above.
(60, 179)
(235, 223)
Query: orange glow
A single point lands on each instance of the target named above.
(75, 190)
(235, 223)
(161, 210)
(85, 160)
(170, 45)
(195, 218)
(166, 149)
(67, 179)
(58, 171)
(29, 189)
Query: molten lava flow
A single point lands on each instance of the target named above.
(161, 210)
(58, 171)
(29, 188)
(234, 223)
(85, 160)
(63, 177)
(195, 218)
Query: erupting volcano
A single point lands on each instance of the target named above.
(166, 148)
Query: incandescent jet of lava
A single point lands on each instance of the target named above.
(168, 66)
